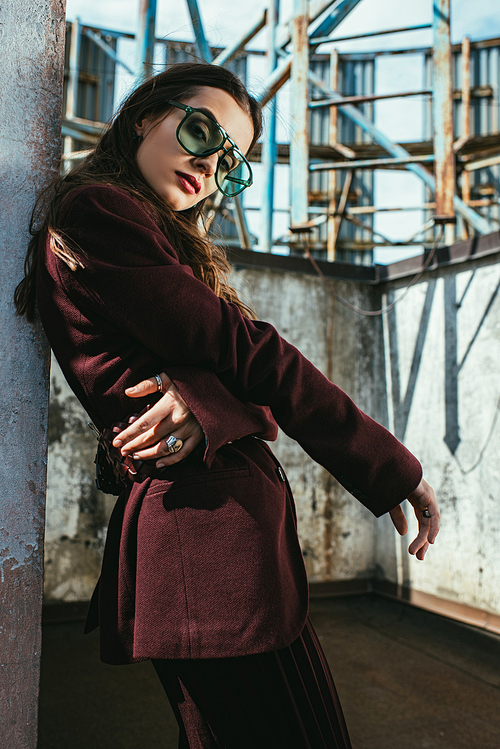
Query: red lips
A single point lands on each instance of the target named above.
(189, 182)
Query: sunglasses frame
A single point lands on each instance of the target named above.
(224, 137)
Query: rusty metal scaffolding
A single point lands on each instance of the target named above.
(335, 146)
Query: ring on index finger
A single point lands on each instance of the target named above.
(173, 444)
(426, 513)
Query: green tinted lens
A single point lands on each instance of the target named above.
(233, 173)
(199, 135)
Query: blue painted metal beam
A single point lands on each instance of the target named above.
(201, 41)
(269, 152)
(145, 39)
(227, 54)
(334, 18)
(107, 48)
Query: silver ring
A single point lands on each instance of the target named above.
(173, 444)
(159, 383)
(426, 513)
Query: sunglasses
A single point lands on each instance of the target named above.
(201, 135)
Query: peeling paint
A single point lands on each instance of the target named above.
(17, 552)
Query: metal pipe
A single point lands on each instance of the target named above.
(333, 19)
(31, 81)
(340, 212)
(478, 222)
(241, 224)
(85, 126)
(368, 163)
(465, 94)
(145, 39)
(366, 227)
(331, 239)
(368, 209)
(227, 54)
(442, 114)
(204, 50)
(299, 146)
(283, 33)
(74, 55)
(72, 133)
(327, 39)
(107, 48)
(315, 104)
(72, 86)
(482, 163)
(275, 81)
(269, 152)
(465, 178)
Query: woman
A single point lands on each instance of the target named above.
(202, 571)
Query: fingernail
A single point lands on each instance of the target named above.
(131, 390)
(136, 456)
(161, 465)
(117, 443)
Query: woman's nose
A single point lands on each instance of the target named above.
(208, 163)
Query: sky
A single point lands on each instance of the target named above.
(223, 22)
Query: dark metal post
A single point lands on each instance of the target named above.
(145, 39)
(31, 81)
(442, 112)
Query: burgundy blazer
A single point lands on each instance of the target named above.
(202, 560)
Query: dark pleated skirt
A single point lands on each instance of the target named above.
(285, 699)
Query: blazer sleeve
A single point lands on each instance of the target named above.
(133, 277)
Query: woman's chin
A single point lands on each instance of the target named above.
(179, 202)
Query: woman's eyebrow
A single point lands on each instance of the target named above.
(209, 114)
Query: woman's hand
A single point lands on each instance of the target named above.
(422, 498)
(145, 438)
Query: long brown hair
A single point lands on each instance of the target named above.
(113, 162)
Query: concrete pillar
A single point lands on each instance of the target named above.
(31, 80)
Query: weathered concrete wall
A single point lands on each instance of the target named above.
(442, 344)
(435, 383)
(77, 512)
(337, 533)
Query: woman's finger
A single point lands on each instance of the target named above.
(426, 511)
(399, 520)
(422, 551)
(187, 448)
(188, 433)
(162, 452)
(428, 516)
(168, 413)
(149, 386)
(182, 427)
